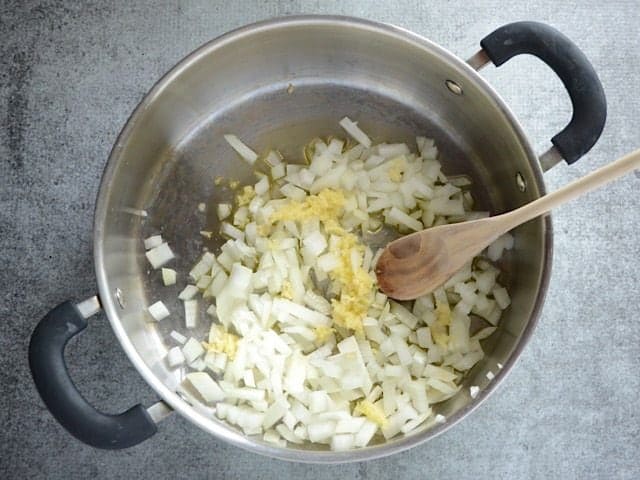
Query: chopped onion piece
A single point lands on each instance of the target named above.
(473, 391)
(352, 129)
(230, 231)
(206, 386)
(398, 217)
(315, 243)
(328, 262)
(440, 419)
(350, 425)
(271, 436)
(175, 357)
(321, 431)
(135, 211)
(274, 413)
(158, 311)
(204, 282)
(305, 347)
(190, 313)
(300, 312)
(204, 266)
(278, 171)
(262, 186)
(287, 434)
(441, 373)
(413, 424)
(192, 350)
(188, 292)
(223, 210)
(152, 242)
(392, 150)
(293, 192)
(505, 242)
(168, 276)
(366, 433)
(245, 152)
(160, 255)
(178, 337)
(404, 355)
(341, 442)
(502, 297)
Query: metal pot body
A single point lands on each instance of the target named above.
(277, 84)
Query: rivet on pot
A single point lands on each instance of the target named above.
(521, 182)
(119, 297)
(453, 87)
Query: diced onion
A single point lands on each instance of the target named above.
(305, 349)
(175, 357)
(473, 391)
(136, 211)
(160, 255)
(188, 292)
(206, 386)
(352, 129)
(152, 242)
(245, 152)
(342, 441)
(274, 413)
(223, 210)
(365, 434)
(271, 436)
(502, 297)
(505, 242)
(230, 231)
(178, 337)
(190, 313)
(158, 311)
(398, 217)
(321, 430)
(192, 350)
(168, 276)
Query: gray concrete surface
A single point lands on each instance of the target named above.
(71, 72)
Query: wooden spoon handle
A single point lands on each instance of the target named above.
(579, 187)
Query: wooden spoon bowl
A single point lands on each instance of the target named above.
(417, 264)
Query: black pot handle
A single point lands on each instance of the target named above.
(573, 68)
(66, 404)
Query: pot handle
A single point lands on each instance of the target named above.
(575, 71)
(60, 395)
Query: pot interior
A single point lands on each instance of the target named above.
(278, 85)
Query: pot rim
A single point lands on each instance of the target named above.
(109, 301)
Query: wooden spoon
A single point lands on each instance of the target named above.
(417, 264)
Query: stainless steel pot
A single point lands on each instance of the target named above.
(278, 83)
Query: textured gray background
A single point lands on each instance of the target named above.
(71, 72)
